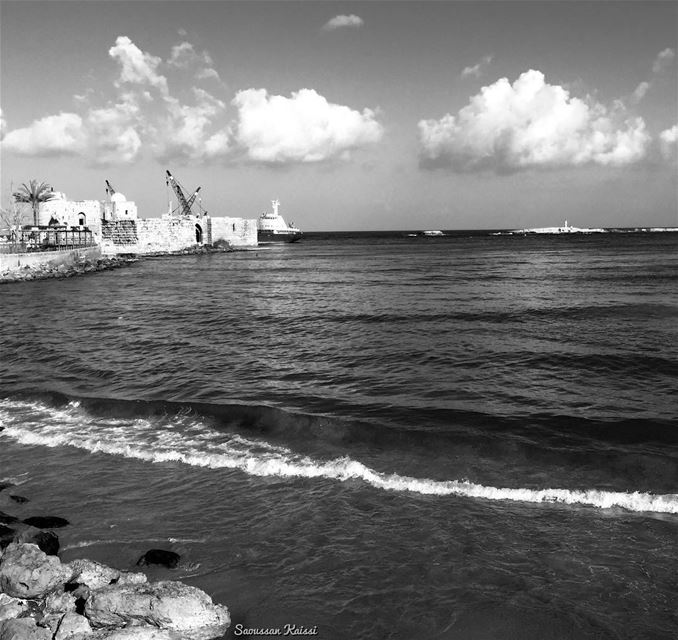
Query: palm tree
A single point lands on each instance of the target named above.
(34, 193)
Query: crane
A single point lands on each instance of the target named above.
(184, 204)
(109, 188)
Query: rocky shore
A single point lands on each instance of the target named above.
(42, 598)
(76, 268)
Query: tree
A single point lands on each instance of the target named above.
(11, 217)
(34, 193)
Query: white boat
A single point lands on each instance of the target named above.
(271, 227)
(433, 234)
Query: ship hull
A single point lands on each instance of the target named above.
(268, 237)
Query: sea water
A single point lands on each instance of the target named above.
(366, 435)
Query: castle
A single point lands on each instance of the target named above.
(117, 229)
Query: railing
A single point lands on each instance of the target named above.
(47, 239)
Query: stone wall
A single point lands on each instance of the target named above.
(153, 235)
(238, 232)
(13, 261)
(169, 234)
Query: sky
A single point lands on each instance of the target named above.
(373, 115)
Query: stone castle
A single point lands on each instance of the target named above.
(117, 229)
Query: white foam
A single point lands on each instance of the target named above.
(160, 440)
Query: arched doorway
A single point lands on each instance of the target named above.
(82, 219)
(198, 234)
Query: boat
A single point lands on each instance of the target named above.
(433, 234)
(271, 227)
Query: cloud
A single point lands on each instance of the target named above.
(339, 22)
(477, 68)
(182, 131)
(302, 128)
(137, 66)
(531, 124)
(206, 74)
(663, 60)
(264, 128)
(113, 132)
(668, 142)
(184, 56)
(661, 63)
(640, 91)
(55, 135)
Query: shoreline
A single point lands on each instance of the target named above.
(43, 598)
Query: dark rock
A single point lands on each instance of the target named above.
(46, 522)
(19, 499)
(5, 518)
(47, 541)
(168, 559)
(6, 535)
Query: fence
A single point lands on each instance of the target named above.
(47, 239)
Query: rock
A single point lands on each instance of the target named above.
(46, 522)
(5, 518)
(134, 633)
(168, 559)
(47, 541)
(60, 602)
(72, 624)
(96, 575)
(27, 572)
(23, 629)
(5, 485)
(19, 499)
(168, 605)
(10, 607)
(6, 535)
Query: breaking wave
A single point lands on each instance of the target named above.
(188, 440)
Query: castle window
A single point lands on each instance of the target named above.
(82, 219)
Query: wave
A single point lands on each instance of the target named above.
(185, 439)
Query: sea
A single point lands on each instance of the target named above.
(366, 435)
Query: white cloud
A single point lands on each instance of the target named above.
(477, 68)
(531, 124)
(113, 133)
(668, 142)
(663, 60)
(339, 22)
(302, 128)
(640, 91)
(206, 73)
(182, 132)
(55, 135)
(185, 56)
(137, 66)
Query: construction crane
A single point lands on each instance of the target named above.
(184, 204)
(109, 188)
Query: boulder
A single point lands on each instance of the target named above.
(46, 522)
(168, 559)
(10, 607)
(27, 572)
(96, 575)
(47, 541)
(71, 625)
(173, 606)
(59, 602)
(23, 629)
(6, 535)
